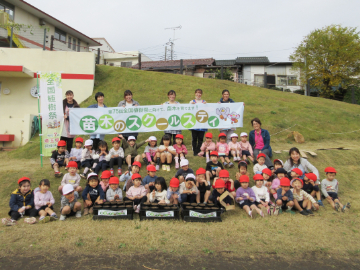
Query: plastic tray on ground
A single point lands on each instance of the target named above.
(163, 213)
(118, 212)
(200, 215)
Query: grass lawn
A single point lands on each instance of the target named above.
(327, 233)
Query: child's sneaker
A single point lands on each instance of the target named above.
(78, 214)
(119, 172)
(83, 175)
(231, 165)
(262, 214)
(348, 205)
(62, 217)
(137, 209)
(310, 212)
(343, 209)
(164, 167)
(290, 211)
(280, 211)
(176, 165)
(112, 172)
(320, 203)
(31, 220)
(91, 170)
(225, 165)
(337, 207)
(304, 213)
(86, 211)
(253, 214)
(91, 210)
(157, 167)
(44, 219)
(168, 168)
(277, 210)
(58, 174)
(53, 217)
(270, 211)
(8, 222)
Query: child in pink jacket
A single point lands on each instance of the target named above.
(136, 193)
(180, 149)
(44, 201)
(275, 185)
(223, 150)
(207, 147)
(235, 147)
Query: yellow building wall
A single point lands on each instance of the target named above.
(17, 108)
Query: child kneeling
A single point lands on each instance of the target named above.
(69, 204)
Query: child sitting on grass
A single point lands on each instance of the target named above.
(114, 193)
(93, 193)
(207, 147)
(311, 186)
(101, 158)
(131, 149)
(246, 149)
(44, 201)
(71, 177)
(21, 203)
(275, 185)
(242, 166)
(116, 154)
(302, 200)
(173, 194)
(218, 191)
(213, 167)
(258, 167)
(295, 173)
(149, 181)
(180, 149)
(159, 194)
(261, 194)
(266, 174)
(105, 177)
(75, 153)
(69, 203)
(229, 183)
(166, 152)
(235, 148)
(223, 151)
(203, 186)
(150, 152)
(136, 193)
(184, 171)
(59, 158)
(87, 160)
(330, 188)
(285, 198)
(246, 198)
(136, 166)
(188, 189)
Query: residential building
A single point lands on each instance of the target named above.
(124, 59)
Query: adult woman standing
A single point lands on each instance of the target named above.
(226, 99)
(295, 161)
(68, 102)
(172, 97)
(259, 140)
(128, 102)
(99, 97)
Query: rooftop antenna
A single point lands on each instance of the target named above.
(171, 41)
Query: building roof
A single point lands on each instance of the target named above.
(105, 41)
(224, 62)
(251, 60)
(48, 18)
(175, 63)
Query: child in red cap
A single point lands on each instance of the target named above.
(149, 181)
(217, 191)
(173, 194)
(105, 177)
(229, 183)
(136, 166)
(180, 149)
(213, 167)
(285, 198)
(302, 200)
(260, 165)
(296, 173)
(116, 154)
(311, 186)
(114, 193)
(136, 193)
(223, 151)
(59, 158)
(75, 153)
(71, 178)
(207, 147)
(21, 203)
(330, 188)
(203, 186)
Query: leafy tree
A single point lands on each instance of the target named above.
(332, 59)
(227, 74)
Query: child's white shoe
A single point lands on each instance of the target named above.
(62, 217)
(78, 214)
(137, 209)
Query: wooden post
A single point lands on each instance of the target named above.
(52, 43)
(139, 61)
(265, 79)
(181, 67)
(98, 57)
(44, 47)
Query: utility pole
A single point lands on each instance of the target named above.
(98, 57)
(171, 42)
(139, 59)
(52, 43)
(181, 67)
(44, 47)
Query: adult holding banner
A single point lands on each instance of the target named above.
(260, 142)
(99, 97)
(128, 102)
(68, 102)
(226, 99)
(172, 101)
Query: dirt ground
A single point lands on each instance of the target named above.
(155, 261)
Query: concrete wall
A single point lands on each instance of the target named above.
(17, 107)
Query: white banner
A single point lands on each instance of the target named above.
(156, 118)
(201, 215)
(160, 214)
(111, 213)
(51, 110)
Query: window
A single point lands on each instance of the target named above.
(126, 64)
(78, 48)
(60, 35)
(281, 80)
(8, 9)
(74, 44)
(111, 64)
(69, 45)
(292, 80)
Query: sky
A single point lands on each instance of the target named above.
(219, 29)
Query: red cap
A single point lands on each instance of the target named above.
(297, 171)
(72, 164)
(330, 169)
(208, 135)
(137, 163)
(285, 182)
(261, 155)
(135, 176)
(311, 176)
(214, 153)
(151, 168)
(23, 179)
(114, 181)
(267, 171)
(224, 173)
(219, 183)
(200, 171)
(105, 174)
(292, 181)
(61, 143)
(222, 135)
(257, 177)
(174, 182)
(180, 136)
(244, 179)
(115, 139)
(79, 139)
